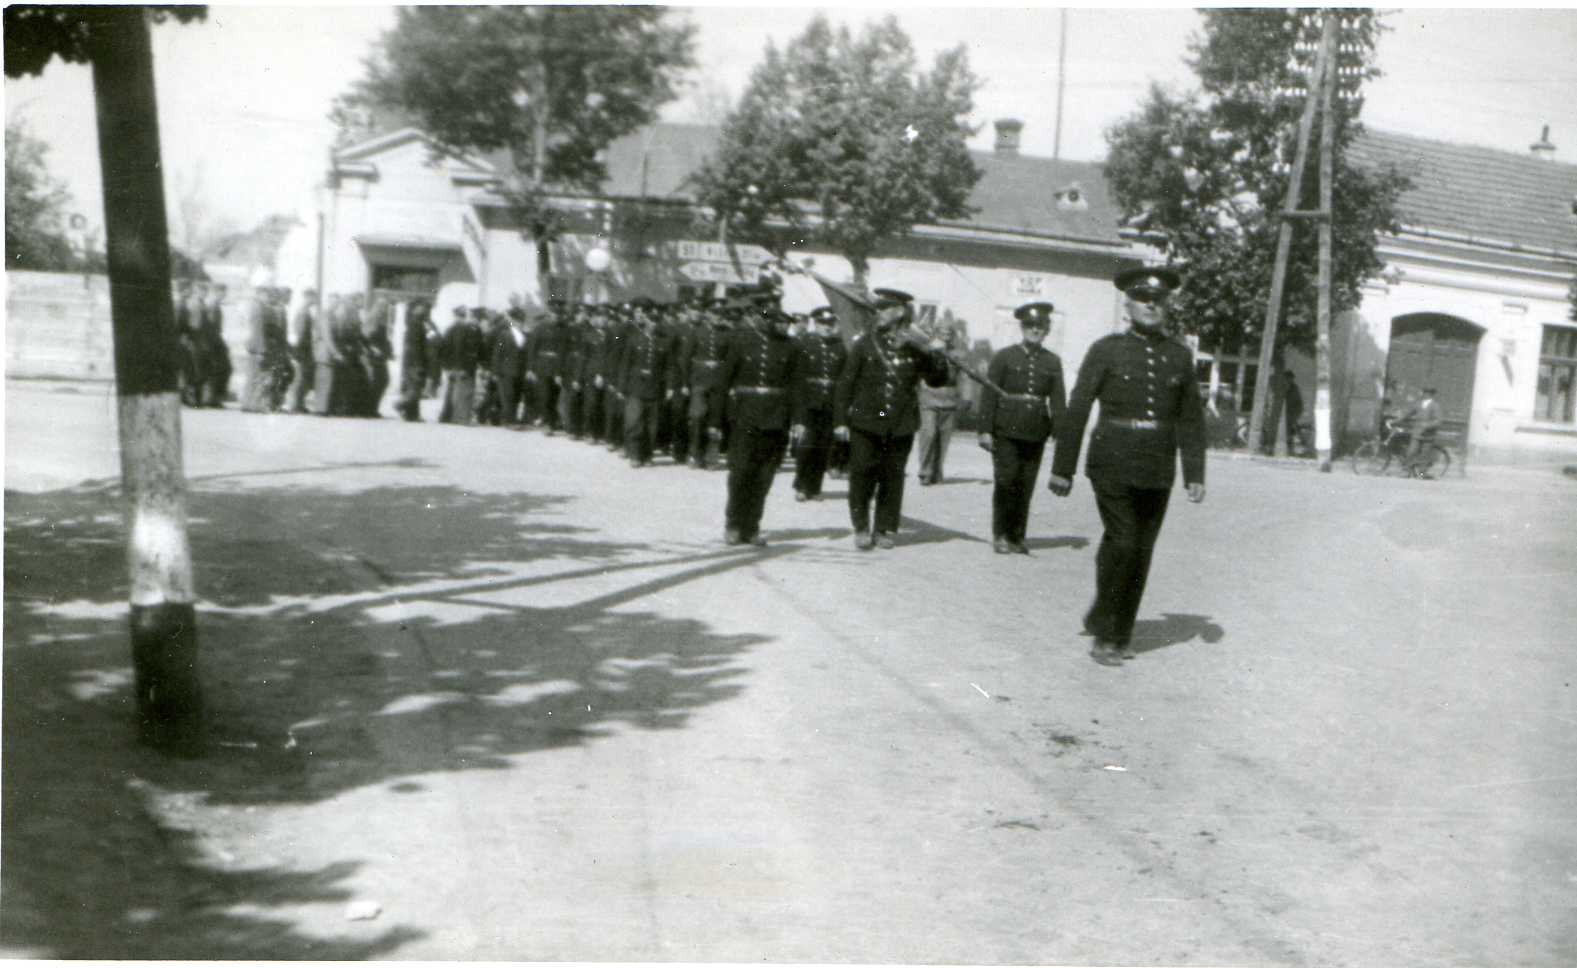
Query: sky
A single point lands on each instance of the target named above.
(243, 98)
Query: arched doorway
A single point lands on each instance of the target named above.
(1433, 349)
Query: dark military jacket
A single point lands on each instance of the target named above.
(679, 333)
(375, 325)
(1150, 410)
(758, 375)
(547, 347)
(463, 347)
(876, 392)
(703, 356)
(508, 358)
(820, 361)
(1031, 376)
(643, 365)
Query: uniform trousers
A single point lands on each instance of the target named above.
(1014, 464)
(679, 428)
(545, 402)
(216, 374)
(413, 382)
(459, 396)
(1131, 517)
(508, 398)
(640, 427)
(375, 380)
(810, 457)
(569, 410)
(190, 369)
(612, 417)
(936, 431)
(700, 408)
(591, 423)
(876, 469)
(753, 458)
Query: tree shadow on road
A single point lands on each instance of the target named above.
(1174, 628)
(350, 638)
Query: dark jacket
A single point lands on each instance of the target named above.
(703, 355)
(1036, 401)
(876, 392)
(758, 376)
(463, 347)
(547, 347)
(508, 358)
(643, 365)
(821, 360)
(1135, 378)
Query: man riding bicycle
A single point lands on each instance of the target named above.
(1423, 421)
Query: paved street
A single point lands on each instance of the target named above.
(520, 696)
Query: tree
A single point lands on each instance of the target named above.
(839, 140)
(552, 85)
(1208, 172)
(35, 205)
(115, 40)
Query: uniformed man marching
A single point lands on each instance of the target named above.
(821, 355)
(702, 364)
(1015, 423)
(876, 408)
(1150, 411)
(758, 379)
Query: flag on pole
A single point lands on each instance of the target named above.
(855, 311)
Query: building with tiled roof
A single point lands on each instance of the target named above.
(1474, 299)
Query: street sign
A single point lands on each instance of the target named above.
(719, 272)
(691, 250)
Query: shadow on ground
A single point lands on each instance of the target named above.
(349, 638)
(1172, 629)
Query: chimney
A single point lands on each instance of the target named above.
(1543, 148)
(1008, 130)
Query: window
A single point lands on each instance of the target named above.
(1557, 370)
(404, 279)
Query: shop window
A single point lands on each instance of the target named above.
(404, 279)
(1557, 373)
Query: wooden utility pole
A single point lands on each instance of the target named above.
(163, 610)
(1322, 346)
(1323, 62)
(1062, 73)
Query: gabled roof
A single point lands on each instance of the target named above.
(1485, 193)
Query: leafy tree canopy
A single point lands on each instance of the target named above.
(1207, 171)
(35, 205)
(34, 34)
(842, 140)
(553, 85)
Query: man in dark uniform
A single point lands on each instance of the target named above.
(1150, 411)
(687, 320)
(616, 338)
(876, 408)
(757, 379)
(1014, 424)
(543, 364)
(703, 366)
(216, 367)
(508, 363)
(821, 355)
(587, 380)
(463, 352)
(377, 323)
(413, 359)
(643, 378)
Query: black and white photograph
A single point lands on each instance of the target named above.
(790, 484)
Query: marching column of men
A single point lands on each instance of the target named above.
(739, 379)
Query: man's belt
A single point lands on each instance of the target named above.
(709, 363)
(1130, 424)
(1030, 397)
(763, 391)
(547, 354)
(825, 381)
(646, 372)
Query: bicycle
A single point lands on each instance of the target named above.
(1375, 455)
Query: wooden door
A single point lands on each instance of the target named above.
(1435, 350)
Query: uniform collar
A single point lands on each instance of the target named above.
(1159, 337)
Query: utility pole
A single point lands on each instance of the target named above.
(163, 609)
(1062, 72)
(1322, 346)
(1323, 62)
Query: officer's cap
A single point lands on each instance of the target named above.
(1156, 280)
(1034, 314)
(823, 314)
(892, 297)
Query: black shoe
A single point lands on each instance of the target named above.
(1001, 546)
(1126, 652)
(862, 540)
(801, 497)
(731, 537)
(884, 540)
(759, 540)
(1105, 653)
(1018, 547)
